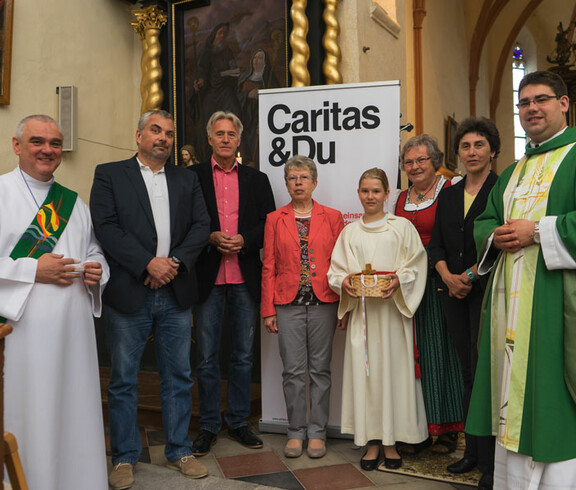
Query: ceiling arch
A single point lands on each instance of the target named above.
(516, 14)
(490, 11)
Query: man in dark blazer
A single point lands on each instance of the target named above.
(229, 274)
(152, 222)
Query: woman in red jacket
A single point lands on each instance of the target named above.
(298, 304)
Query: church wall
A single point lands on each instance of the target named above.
(445, 58)
(504, 114)
(537, 41)
(361, 23)
(504, 117)
(445, 63)
(472, 10)
(89, 44)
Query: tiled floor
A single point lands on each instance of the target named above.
(338, 470)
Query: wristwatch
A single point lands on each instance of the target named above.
(536, 234)
(175, 259)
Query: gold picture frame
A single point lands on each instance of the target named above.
(6, 21)
(451, 155)
(251, 26)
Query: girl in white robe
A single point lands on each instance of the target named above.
(382, 398)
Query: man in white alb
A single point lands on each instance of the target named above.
(52, 273)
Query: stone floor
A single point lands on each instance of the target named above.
(233, 466)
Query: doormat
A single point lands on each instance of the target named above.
(431, 466)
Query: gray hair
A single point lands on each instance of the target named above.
(147, 115)
(436, 156)
(218, 115)
(300, 162)
(34, 117)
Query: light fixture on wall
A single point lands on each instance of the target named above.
(68, 115)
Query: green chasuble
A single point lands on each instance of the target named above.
(543, 420)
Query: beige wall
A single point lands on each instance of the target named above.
(504, 118)
(372, 50)
(446, 40)
(445, 66)
(89, 44)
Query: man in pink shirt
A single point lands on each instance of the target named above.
(229, 269)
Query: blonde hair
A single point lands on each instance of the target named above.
(378, 174)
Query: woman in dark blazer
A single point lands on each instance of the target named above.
(298, 304)
(453, 253)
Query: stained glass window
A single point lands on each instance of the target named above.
(518, 72)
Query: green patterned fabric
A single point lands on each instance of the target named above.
(442, 384)
(48, 224)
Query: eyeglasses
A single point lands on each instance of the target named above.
(295, 178)
(538, 101)
(419, 161)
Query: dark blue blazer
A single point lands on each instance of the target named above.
(124, 226)
(256, 201)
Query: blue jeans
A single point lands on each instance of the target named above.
(126, 336)
(208, 317)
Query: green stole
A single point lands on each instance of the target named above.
(525, 197)
(47, 226)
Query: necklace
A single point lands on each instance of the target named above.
(303, 212)
(29, 190)
(420, 197)
(473, 189)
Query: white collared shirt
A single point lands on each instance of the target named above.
(158, 194)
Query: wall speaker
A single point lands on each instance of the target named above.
(68, 113)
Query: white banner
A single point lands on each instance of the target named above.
(345, 129)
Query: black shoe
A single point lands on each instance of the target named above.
(463, 466)
(246, 437)
(370, 464)
(392, 463)
(486, 482)
(202, 444)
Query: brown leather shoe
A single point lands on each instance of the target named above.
(189, 466)
(121, 476)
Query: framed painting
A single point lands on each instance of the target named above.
(450, 152)
(223, 52)
(6, 17)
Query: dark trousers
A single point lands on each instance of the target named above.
(463, 322)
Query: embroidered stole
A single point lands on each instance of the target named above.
(525, 197)
(47, 226)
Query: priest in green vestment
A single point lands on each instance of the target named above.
(524, 391)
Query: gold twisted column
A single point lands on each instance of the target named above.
(148, 23)
(330, 43)
(300, 48)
